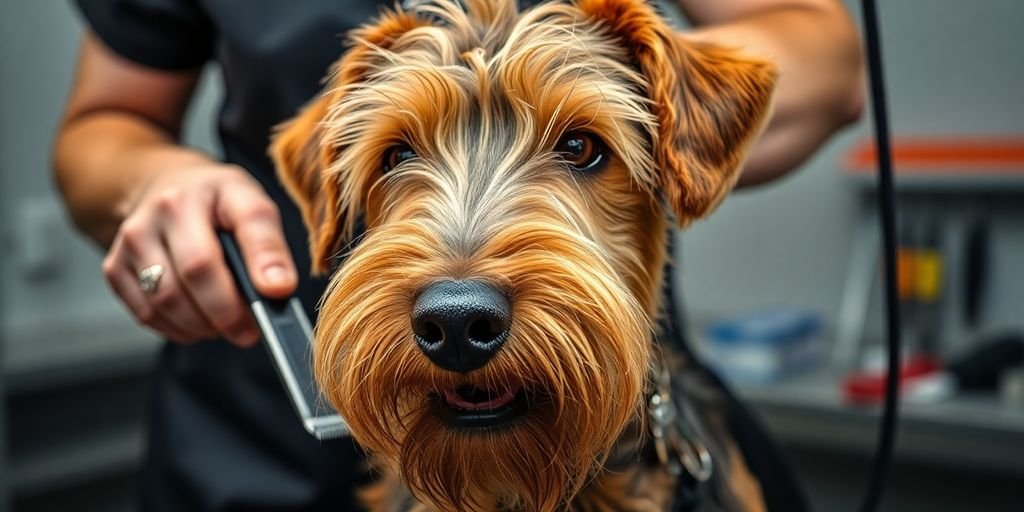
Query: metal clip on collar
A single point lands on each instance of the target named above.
(678, 447)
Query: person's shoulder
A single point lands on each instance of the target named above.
(161, 34)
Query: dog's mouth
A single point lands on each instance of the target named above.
(470, 407)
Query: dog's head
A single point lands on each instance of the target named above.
(490, 334)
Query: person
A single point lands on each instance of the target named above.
(223, 436)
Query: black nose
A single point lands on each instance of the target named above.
(460, 325)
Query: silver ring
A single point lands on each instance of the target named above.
(149, 278)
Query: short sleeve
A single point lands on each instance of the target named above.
(162, 34)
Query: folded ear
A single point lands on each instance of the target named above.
(707, 121)
(710, 104)
(303, 154)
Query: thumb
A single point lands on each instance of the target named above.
(256, 224)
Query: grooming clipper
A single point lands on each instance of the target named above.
(287, 335)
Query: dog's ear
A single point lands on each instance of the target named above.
(301, 157)
(302, 154)
(709, 102)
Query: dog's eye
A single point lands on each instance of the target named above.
(582, 151)
(396, 155)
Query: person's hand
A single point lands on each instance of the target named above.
(172, 222)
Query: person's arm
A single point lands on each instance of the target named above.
(818, 53)
(132, 188)
(120, 117)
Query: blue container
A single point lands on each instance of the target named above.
(763, 347)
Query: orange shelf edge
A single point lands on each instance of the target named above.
(944, 155)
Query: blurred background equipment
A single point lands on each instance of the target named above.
(765, 347)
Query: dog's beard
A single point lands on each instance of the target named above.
(579, 351)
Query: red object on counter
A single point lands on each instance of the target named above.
(868, 388)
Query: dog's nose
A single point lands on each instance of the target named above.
(460, 325)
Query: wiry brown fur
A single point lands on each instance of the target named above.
(483, 93)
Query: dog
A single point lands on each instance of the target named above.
(492, 336)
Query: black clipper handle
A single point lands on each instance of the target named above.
(287, 334)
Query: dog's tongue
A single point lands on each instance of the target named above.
(468, 399)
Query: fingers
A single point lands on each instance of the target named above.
(198, 261)
(256, 224)
(120, 272)
(174, 225)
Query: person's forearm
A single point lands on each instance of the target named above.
(103, 160)
(820, 87)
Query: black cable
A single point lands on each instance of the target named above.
(887, 218)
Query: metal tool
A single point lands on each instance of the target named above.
(287, 335)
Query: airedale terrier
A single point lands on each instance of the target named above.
(511, 177)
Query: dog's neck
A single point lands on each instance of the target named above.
(666, 443)
(669, 438)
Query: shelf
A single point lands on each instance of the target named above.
(974, 182)
(967, 430)
(75, 396)
(945, 164)
(67, 463)
(77, 353)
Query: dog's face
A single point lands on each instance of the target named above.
(490, 335)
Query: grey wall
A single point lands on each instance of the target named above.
(36, 50)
